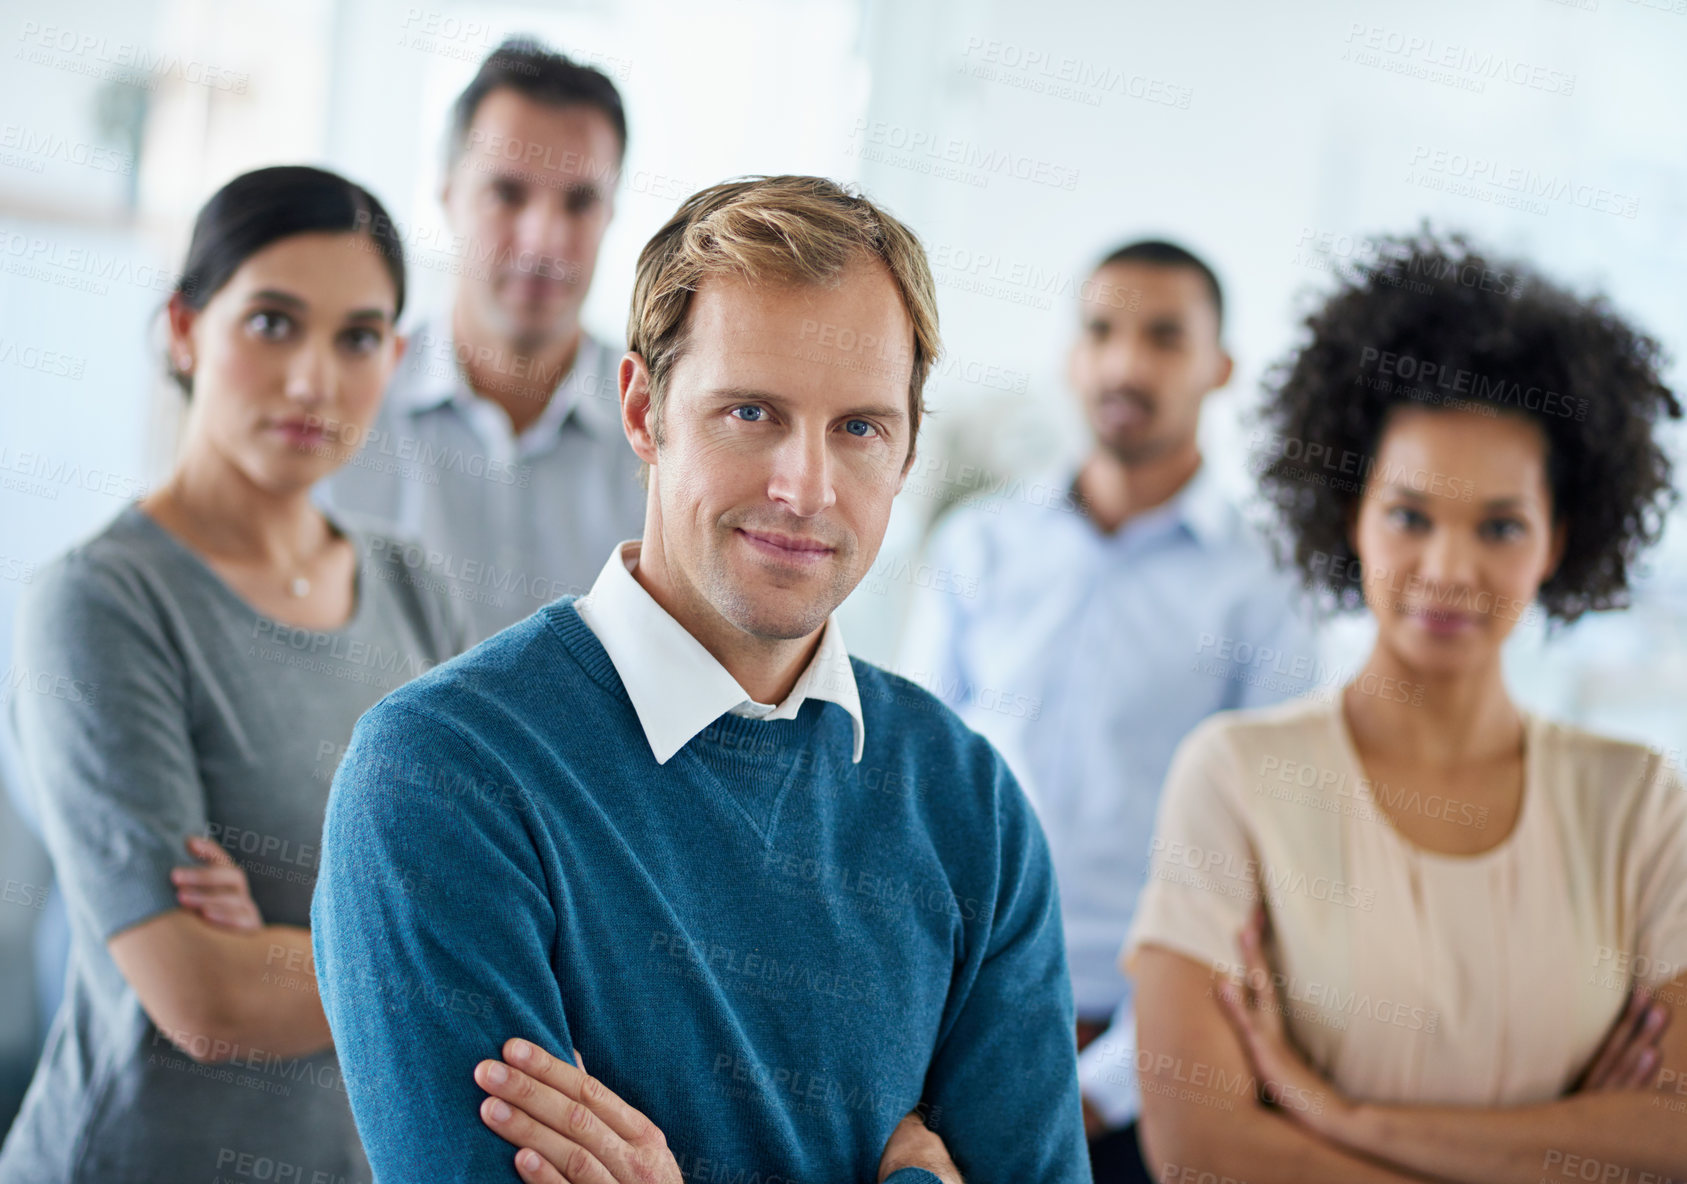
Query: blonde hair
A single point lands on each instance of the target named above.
(786, 228)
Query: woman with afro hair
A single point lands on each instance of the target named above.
(1409, 930)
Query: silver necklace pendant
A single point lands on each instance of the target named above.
(300, 587)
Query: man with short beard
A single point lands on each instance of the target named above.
(796, 921)
(499, 442)
(1107, 621)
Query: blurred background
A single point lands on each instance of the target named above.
(1020, 140)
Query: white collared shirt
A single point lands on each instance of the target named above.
(506, 522)
(678, 687)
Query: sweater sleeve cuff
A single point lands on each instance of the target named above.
(912, 1176)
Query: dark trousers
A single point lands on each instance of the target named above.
(1116, 1158)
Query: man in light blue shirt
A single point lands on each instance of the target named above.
(1108, 620)
(499, 445)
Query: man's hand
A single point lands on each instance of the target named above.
(217, 891)
(568, 1126)
(913, 1145)
(1628, 1058)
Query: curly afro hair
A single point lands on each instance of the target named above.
(1432, 323)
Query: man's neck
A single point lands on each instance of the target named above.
(519, 376)
(1114, 492)
(767, 668)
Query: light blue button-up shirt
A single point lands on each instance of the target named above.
(506, 522)
(1085, 657)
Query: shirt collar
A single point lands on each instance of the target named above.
(1205, 510)
(678, 688)
(1200, 507)
(430, 377)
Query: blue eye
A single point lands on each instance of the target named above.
(751, 418)
(851, 425)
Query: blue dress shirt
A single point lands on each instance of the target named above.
(1085, 657)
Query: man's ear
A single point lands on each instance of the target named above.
(1222, 372)
(634, 379)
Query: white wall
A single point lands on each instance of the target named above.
(1253, 133)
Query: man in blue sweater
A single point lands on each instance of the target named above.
(774, 899)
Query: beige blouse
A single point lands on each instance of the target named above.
(1407, 975)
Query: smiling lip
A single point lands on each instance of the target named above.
(787, 547)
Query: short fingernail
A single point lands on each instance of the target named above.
(500, 1112)
(518, 1051)
(529, 1160)
(497, 1074)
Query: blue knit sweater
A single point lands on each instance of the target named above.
(771, 951)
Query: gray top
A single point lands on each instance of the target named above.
(152, 703)
(510, 522)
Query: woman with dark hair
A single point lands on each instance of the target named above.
(1413, 931)
(202, 661)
